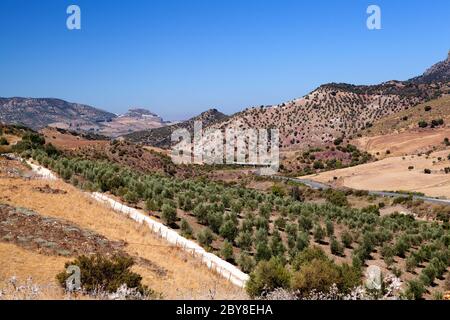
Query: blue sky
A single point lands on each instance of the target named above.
(180, 57)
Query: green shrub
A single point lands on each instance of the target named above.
(415, 290)
(169, 214)
(268, 276)
(246, 262)
(108, 274)
(245, 240)
(227, 251)
(229, 230)
(186, 229)
(337, 198)
(346, 239)
(262, 251)
(336, 247)
(3, 141)
(319, 233)
(205, 237)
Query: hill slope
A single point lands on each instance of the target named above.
(161, 137)
(42, 112)
(333, 111)
(440, 72)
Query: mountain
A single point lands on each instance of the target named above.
(338, 110)
(161, 137)
(38, 113)
(136, 119)
(440, 72)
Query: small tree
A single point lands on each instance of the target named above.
(262, 251)
(268, 276)
(245, 240)
(415, 290)
(336, 247)
(228, 230)
(347, 239)
(205, 237)
(330, 228)
(227, 251)
(169, 214)
(246, 262)
(319, 234)
(186, 229)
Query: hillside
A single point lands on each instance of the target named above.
(60, 222)
(37, 113)
(418, 129)
(161, 137)
(440, 72)
(333, 111)
(134, 120)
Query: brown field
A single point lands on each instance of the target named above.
(392, 174)
(68, 141)
(404, 143)
(186, 277)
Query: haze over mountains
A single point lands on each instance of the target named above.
(38, 113)
(329, 112)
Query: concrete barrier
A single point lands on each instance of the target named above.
(213, 262)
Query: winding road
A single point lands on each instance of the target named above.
(317, 185)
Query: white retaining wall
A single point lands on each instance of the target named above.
(227, 270)
(213, 262)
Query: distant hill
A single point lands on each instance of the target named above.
(161, 137)
(136, 119)
(38, 113)
(338, 110)
(440, 72)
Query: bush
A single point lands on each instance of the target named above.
(227, 251)
(427, 171)
(423, 124)
(347, 239)
(169, 214)
(262, 251)
(205, 237)
(319, 233)
(330, 228)
(336, 247)
(319, 275)
(268, 276)
(3, 141)
(337, 198)
(415, 290)
(99, 272)
(246, 262)
(186, 229)
(308, 255)
(245, 240)
(229, 230)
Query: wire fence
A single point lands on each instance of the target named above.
(213, 262)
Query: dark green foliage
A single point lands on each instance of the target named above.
(268, 276)
(246, 262)
(229, 230)
(205, 237)
(99, 272)
(186, 229)
(227, 251)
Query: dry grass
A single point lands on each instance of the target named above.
(393, 174)
(186, 278)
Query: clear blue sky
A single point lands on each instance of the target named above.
(180, 57)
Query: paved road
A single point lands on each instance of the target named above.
(318, 185)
